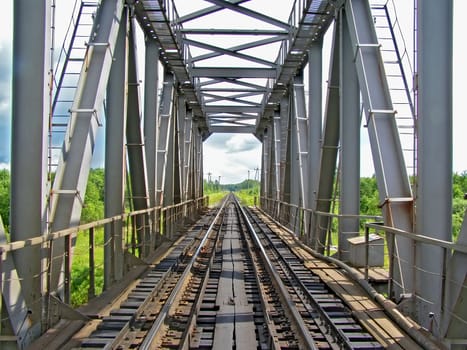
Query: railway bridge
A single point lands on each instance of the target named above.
(179, 275)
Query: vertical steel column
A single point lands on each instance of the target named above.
(198, 155)
(187, 156)
(265, 163)
(455, 289)
(30, 113)
(115, 155)
(272, 161)
(294, 164)
(164, 119)
(301, 122)
(286, 144)
(434, 186)
(135, 148)
(284, 159)
(349, 140)
(151, 82)
(302, 131)
(315, 114)
(277, 154)
(329, 149)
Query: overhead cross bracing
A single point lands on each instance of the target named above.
(234, 59)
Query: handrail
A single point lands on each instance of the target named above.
(40, 239)
(419, 238)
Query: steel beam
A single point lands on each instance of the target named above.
(285, 150)
(232, 129)
(30, 115)
(294, 168)
(135, 148)
(393, 184)
(277, 154)
(301, 122)
(454, 310)
(329, 150)
(434, 158)
(163, 129)
(315, 115)
(349, 140)
(224, 72)
(266, 163)
(115, 156)
(151, 83)
(17, 318)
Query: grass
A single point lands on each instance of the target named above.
(80, 268)
(216, 197)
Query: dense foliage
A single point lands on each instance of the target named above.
(247, 190)
(94, 200)
(5, 197)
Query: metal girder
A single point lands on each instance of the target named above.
(203, 31)
(329, 150)
(250, 13)
(14, 305)
(206, 11)
(236, 72)
(232, 109)
(249, 45)
(198, 164)
(393, 184)
(151, 98)
(284, 185)
(29, 189)
(454, 314)
(315, 113)
(276, 145)
(135, 147)
(115, 155)
(73, 169)
(164, 127)
(266, 164)
(186, 146)
(232, 129)
(293, 164)
(349, 105)
(301, 122)
(434, 162)
(237, 98)
(228, 52)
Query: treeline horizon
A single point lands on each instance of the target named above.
(369, 199)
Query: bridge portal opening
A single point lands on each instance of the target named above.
(231, 158)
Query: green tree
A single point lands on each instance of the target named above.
(369, 196)
(5, 197)
(94, 199)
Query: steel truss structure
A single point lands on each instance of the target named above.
(194, 87)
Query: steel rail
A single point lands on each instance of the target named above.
(299, 322)
(268, 321)
(343, 340)
(155, 328)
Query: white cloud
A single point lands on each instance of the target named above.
(231, 157)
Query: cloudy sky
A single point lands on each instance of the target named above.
(233, 156)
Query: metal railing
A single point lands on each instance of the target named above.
(293, 217)
(162, 225)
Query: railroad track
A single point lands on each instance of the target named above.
(233, 283)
